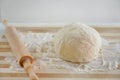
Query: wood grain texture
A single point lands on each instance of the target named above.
(111, 33)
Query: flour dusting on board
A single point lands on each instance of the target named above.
(40, 46)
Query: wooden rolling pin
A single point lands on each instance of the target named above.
(19, 50)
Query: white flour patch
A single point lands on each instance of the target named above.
(40, 46)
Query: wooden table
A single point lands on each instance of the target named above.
(111, 33)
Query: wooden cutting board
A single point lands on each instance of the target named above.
(111, 33)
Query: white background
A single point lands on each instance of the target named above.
(60, 11)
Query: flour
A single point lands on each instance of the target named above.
(40, 46)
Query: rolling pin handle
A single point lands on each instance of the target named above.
(5, 22)
(29, 69)
(24, 58)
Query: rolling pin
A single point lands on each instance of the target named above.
(19, 50)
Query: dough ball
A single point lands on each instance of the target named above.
(77, 43)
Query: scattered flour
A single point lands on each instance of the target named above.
(40, 46)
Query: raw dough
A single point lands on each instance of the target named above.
(77, 43)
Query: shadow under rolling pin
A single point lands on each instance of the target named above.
(19, 50)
